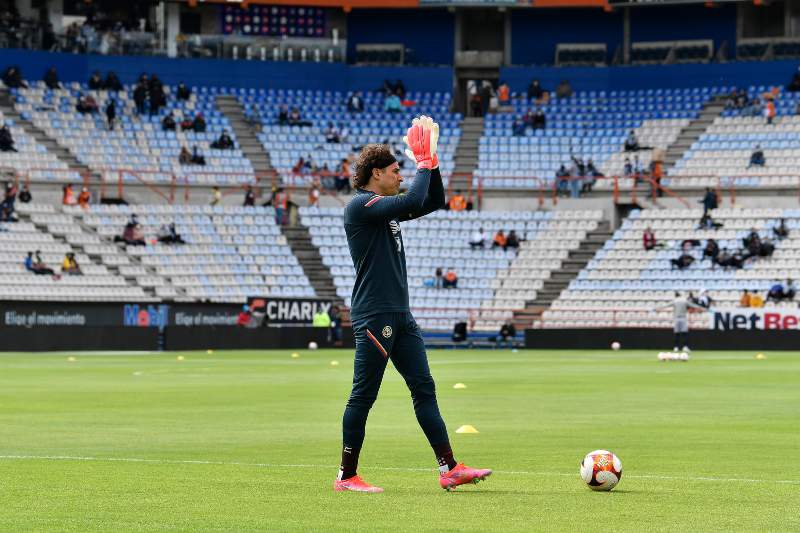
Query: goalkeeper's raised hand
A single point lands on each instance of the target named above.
(422, 139)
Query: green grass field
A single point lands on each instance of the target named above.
(235, 441)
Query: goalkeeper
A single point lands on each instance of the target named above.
(382, 323)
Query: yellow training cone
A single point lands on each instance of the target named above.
(761, 356)
(459, 386)
(334, 363)
(180, 358)
(71, 359)
(467, 429)
(295, 355)
(209, 351)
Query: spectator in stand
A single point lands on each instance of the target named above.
(280, 202)
(295, 119)
(313, 194)
(574, 179)
(781, 231)
(283, 115)
(757, 158)
(156, 91)
(132, 235)
(167, 234)
(216, 196)
(6, 140)
(535, 91)
(392, 104)
(185, 157)
(711, 251)
(775, 293)
(562, 180)
(84, 198)
(111, 113)
(168, 122)
(68, 195)
(70, 266)
(183, 92)
(7, 212)
(51, 79)
(704, 299)
(95, 81)
(25, 194)
(33, 263)
(564, 90)
(512, 241)
(789, 290)
(648, 239)
(769, 111)
(343, 177)
(794, 85)
(744, 300)
(507, 334)
(486, 95)
(86, 104)
(355, 104)
(538, 121)
(706, 222)
(627, 169)
(684, 260)
(13, 78)
(709, 201)
(450, 280)
(112, 82)
(632, 142)
(756, 300)
(140, 97)
(223, 142)
(197, 157)
(503, 94)
(752, 239)
(478, 239)
(332, 134)
(199, 123)
(438, 276)
(591, 175)
(457, 202)
(767, 248)
(249, 196)
(499, 240)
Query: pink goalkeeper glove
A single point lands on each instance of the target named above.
(418, 139)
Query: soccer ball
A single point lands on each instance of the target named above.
(601, 470)
(615, 345)
(312, 345)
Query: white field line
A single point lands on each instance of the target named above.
(389, 468)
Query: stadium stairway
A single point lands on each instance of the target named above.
(299, 240)
(62, 153)
(245, 133)
(559, 280)
(688, 135)
(466, 156)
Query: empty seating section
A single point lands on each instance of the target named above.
(287, 144)
(623, 282)
(30, 155)
(16, 239)
(549, 241)
(722, 153)
(592, 124)
(137, 143)
(230, 252)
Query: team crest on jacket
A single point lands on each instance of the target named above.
(387, 331)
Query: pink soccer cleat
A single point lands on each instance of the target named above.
(460, 475)
(355, 484)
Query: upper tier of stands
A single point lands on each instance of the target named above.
(624, 282)
(721, 155)
(591, 124)
(137, 143)
(287, 144)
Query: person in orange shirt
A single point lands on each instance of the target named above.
(744, 301)
(769, 111)
(457, 202)
(499, 240)
(503, 94)
(450, 280)
(68, 197)
(313, 194)
(756, 300)
(84, 197)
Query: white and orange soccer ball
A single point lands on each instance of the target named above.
(601, 470)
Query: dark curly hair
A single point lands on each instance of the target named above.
(371, 156)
